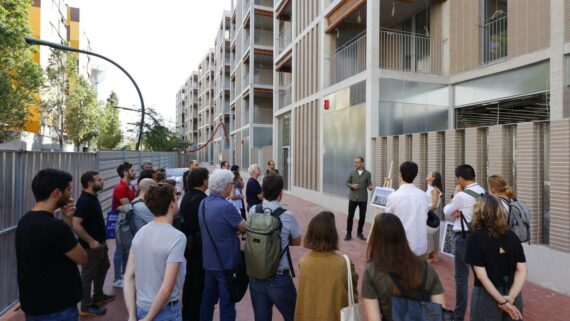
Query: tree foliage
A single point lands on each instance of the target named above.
(158, 137)
(20, 76)
(82, 112)
(110, 135)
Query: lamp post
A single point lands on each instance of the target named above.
(34, 41)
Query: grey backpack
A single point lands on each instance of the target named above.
(519, 216)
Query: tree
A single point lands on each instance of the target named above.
(20, 76)
(110, 135)
(62, 76)
(158, 137)
(82, 113)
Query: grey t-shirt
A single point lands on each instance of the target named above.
(289, 229)
(142, 215)
(154, 246)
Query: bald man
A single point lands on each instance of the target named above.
(142, 214)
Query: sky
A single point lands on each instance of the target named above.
(158, 42)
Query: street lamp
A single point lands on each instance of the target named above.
(34, 41)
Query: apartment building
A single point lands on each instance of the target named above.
(187, 110)
(55, 21)
(251, 82)
(439, 82)
(206, 106)
(222, 90)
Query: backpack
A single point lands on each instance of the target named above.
(125, 228)
(518, 218)
(415, 304)
(263, 243)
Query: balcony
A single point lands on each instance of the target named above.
(263, 77)
(263, 37)
(404, 51)
(266, 3)
(245, 82)
(285, 96)
(494, 40)
(349, 59)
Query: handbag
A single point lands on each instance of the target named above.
(352, 311)
(111, 224)
(236, 278)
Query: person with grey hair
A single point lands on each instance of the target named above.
(146, 165)
(219, 221)
(253, 191)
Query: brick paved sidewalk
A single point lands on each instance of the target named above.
(541, 304)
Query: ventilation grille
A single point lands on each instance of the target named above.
(358, 93)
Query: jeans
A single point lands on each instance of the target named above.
(361, 210)
(461, 276)
(170, 312)
(279, 290)
(484, 307)
(69, 314)
(120, 262)
(215, 287)
(94, 272)
(193, 287)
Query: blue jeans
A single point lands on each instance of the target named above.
(69, 314)
(119, 262)
(279, 290)
(461, 277)
(170, 312)
(215, 287)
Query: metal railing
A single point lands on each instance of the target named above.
(285, 97)
(245, 82)
(246, 40)
(263, 37)
(263, 76)
(349, 59)
(494, 40)
(285, 36)
(404, 51)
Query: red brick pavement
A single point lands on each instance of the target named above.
(541, 304)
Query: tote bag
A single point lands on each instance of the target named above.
(352, 311)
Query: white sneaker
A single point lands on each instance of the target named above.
(118, 283)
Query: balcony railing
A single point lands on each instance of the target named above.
(245, 82)
(263, 76)
(267, 3)
(245, 40)
(348, 60)
(406, 51)
(494, 40)
(263, 37)
(285, 36)
(285, 97)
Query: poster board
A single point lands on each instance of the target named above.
(380, 196)
(447, 242)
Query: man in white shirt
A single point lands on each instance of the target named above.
(462, 202)
(410, 204)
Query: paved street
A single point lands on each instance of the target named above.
(540, 304)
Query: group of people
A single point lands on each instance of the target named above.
(180, 273)
(482, 241)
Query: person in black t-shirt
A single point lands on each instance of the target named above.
(47, 252)
(253, 191)
(89, 225)
(498, 262)
(197, 181)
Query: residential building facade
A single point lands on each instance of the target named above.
(187, 110)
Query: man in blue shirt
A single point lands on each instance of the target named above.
(221, 219)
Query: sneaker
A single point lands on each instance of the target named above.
(348, 237)
(92, 310)
(106, 298)
(361, 237)
(118, 283)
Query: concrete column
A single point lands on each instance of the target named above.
(501, 152)
(372, 77)
(419, 156)
(476, 153)
(559, 185)
(530, 174)
(557, 70)
(454, 156)
(436, 152)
